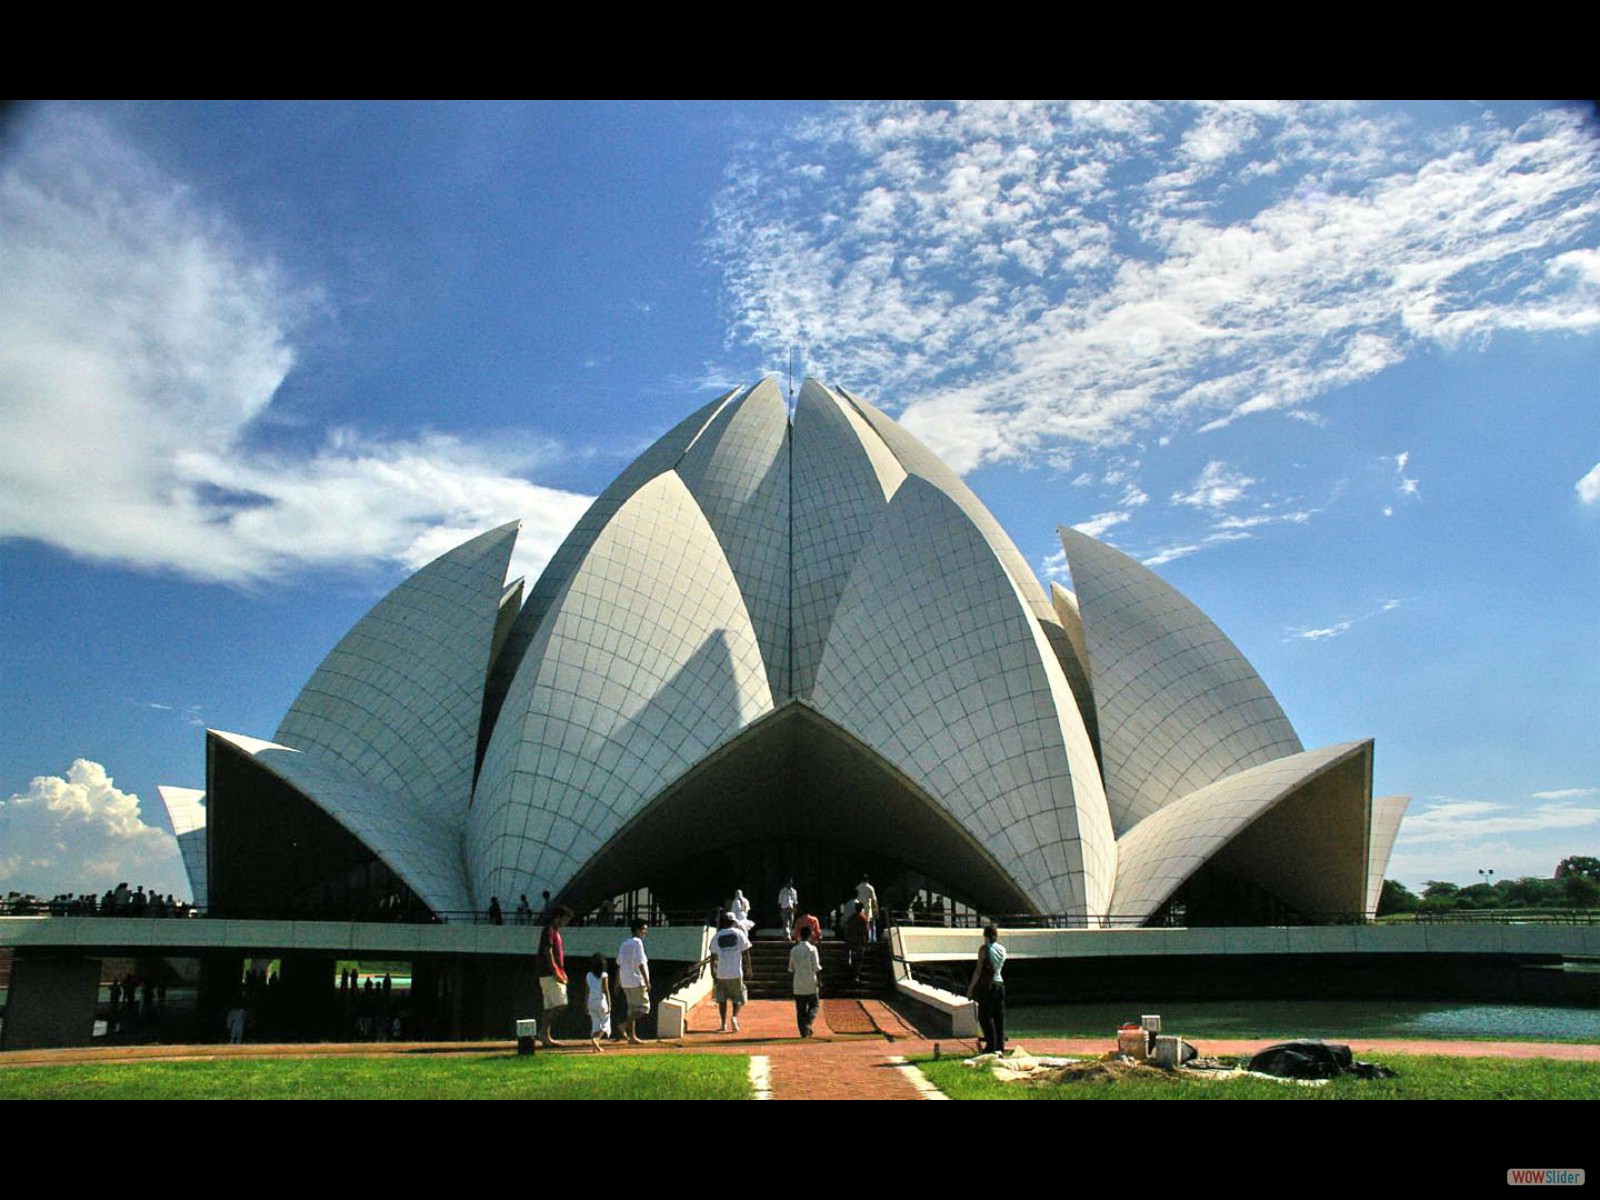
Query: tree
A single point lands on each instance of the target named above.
(1582, 865)
(1396, 897)
(1579, 891)
(1529, 892)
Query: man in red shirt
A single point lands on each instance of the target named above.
(552, 972)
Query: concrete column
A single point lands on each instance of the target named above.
(52, 1002)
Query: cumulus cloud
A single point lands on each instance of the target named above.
(145, 340)
(1021, 277)
(1589, 486)
(80, 832)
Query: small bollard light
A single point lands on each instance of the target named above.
(527, 1041)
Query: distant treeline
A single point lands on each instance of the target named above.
(1576, 884)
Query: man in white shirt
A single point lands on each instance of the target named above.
(730, 953)
(788, 902)
(806, 967)
(633, 976)
(867, 897)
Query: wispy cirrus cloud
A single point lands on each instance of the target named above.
(145, 342)
(1322, 633)
(1218, 487)
(1029, 281)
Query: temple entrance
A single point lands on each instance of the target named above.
(794, 795)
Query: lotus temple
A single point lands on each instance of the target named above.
(788, 644)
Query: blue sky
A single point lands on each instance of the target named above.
(1330, 369)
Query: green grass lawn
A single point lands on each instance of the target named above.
(418, 1077)
(1420, 1078)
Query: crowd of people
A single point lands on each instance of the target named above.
(131, 1000)
(120, 901)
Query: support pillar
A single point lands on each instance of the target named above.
(52, 1002)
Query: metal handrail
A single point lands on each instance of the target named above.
(1068, 921)
(933, 973)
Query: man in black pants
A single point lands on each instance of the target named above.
(989, 985)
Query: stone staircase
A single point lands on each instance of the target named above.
(770, 979)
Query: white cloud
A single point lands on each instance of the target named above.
(1097, 525)
(1463, 820)
(1341, 627)
(79, 833)
(1459, 862)
(1170, 554)
(1406, 485)
(1589, 486)
(1217, 487)
(1567, 793)
(1330, 631)
(1454, 839)
(1018, 278)
(144, 340)
(1054, 567)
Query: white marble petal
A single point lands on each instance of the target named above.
(421, 850)
(399, 699)
(935, 661)
(1315, 854)
(1179, 706)
(646, 662)
(1387, 813)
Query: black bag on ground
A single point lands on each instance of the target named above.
(1308, 1058)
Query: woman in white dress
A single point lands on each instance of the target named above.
(740, 908)
(599, 1001)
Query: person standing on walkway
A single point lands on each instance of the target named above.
(808, 922)
(730, 950)
(867, 898)
(599, 999)
(633, 977)
(989, 985)
(855, 939)
(739, 909)
(552, 972)
(806, 967)
(788, 902)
